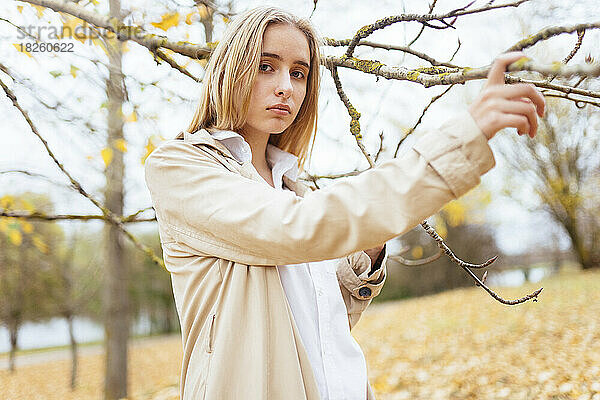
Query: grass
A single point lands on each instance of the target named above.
(460, 344)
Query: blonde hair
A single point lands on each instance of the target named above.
(230, 76)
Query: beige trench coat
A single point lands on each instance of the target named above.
(221, 227)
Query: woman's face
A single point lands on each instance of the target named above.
(280, 84)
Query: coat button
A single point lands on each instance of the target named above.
(364, 291)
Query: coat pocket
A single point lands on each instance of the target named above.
(209, 342)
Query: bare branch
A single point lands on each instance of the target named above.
(405, 49)
(547, 33)
(411, 130)
(553, 86)
(432, 76)
(431, 7)
(423, 19)
(442, 245)
(415, 263)
(467, 267)
(39, 216)
(354, 115)
(163, 56)
(333, 176)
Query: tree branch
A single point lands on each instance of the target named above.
(355, 115)
(423, 19)
(547, 33)
(39, 216)
(405, 49)
(124, 32)
(467, 267)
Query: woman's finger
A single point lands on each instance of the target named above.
(499, 66)
(521, 107)
(518, 121)
(521, 90)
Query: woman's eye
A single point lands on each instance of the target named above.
(298, 74)
(264, 67)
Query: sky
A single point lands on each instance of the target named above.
(386, 106)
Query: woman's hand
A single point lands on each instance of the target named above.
(501, 106)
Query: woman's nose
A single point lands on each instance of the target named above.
(284, 86)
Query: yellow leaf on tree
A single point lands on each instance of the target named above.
(107, 155)
(148, 148)
(226, 20)
(74, 70)
(440, 227)
(168, 20)
(69, 27)
(131, 117)
(121, 145)
(21, 49)
(39, 10)
(27, 227)
(20, 8)
(7, 201)
(15, 237)
(39, 244)
(27, 205)
(455, 213)
(188, 18)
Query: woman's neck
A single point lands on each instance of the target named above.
(258, 145)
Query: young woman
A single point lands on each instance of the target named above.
(269, 277)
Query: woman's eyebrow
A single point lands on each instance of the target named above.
(278, 57)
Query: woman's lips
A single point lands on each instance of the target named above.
(279, 111)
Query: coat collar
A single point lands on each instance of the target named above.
(243, 154)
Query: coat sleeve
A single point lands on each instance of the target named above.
(359, 282)
(212, 211)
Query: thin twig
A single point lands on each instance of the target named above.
(467, 267)
(354, 115)
(163, 56)
(405, 49)
(549, 32)
(431, 7)
(415, 263)
(39, 216)
(411, 130)
(423, 19)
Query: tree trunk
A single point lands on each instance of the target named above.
(116, 300)
(73, 351)
(13, 330)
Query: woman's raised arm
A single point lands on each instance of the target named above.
(213, 211)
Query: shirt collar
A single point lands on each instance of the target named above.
(282, 163)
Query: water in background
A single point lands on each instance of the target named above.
(516, 277)
(55, 332)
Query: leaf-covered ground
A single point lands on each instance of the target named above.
(457, 345)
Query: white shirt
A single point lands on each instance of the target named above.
(314, 296)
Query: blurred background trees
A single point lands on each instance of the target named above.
(463, 225)
(560, 172)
